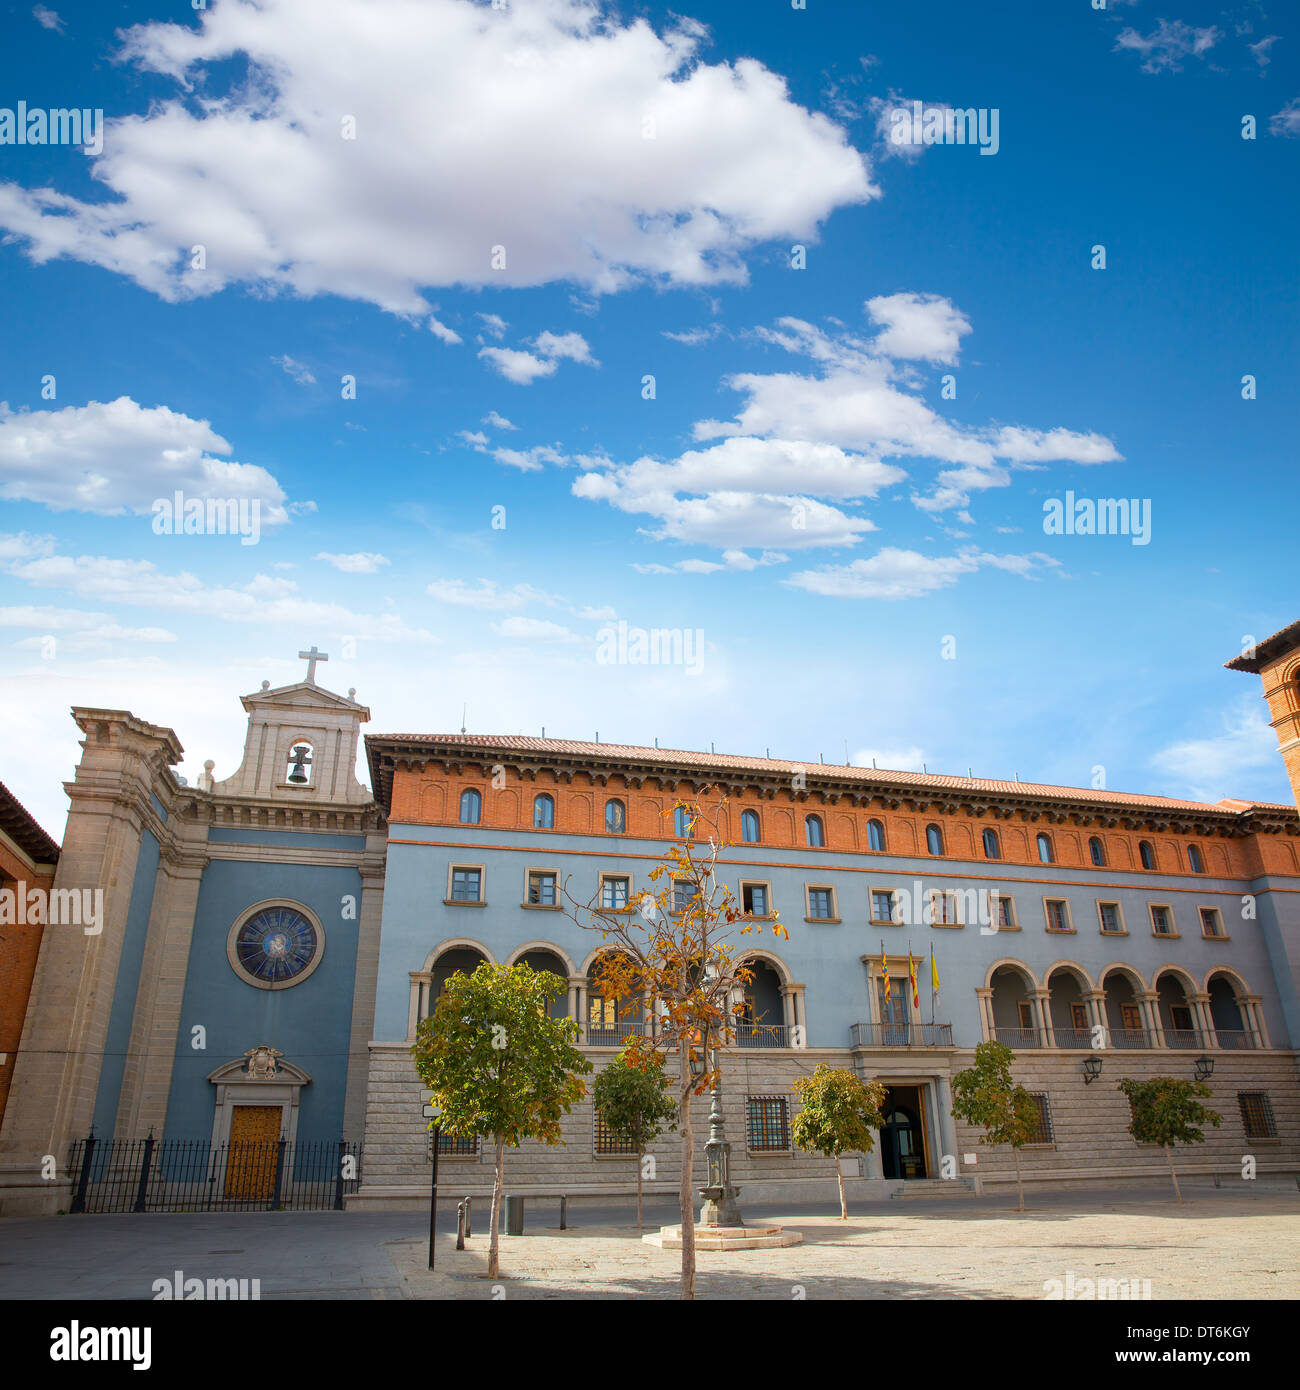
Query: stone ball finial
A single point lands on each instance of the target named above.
(208, 764)
(266, 685)
(352, 692)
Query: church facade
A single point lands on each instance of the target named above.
(270, 942)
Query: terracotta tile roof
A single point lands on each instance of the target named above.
(1282, 640)
(880, 777)
(22, 828)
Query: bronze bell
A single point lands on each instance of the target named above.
(298, 773)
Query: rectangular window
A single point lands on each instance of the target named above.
(892, 1002)
(683, 894)
(1129, 1017)
(943, 908)
(466, 885)
(1026, 1011)
(882, 906)
(541, 889)
(1043, 1130)
(1180, 1017)
(1058, 914)
(453, 1146)
(1111, 921)
(604, 1140)
(821, 904)
(768, 1124)
(1079, 1017)
(1162, 921)
(613, 892)
(1256, 1115)
(753, 898)
(1004, 913)
(1211, 922)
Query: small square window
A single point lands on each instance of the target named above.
(768, 1124)
(821, 903)
(943, 908)
(882, 905)
(753, 898)
(1111, 921)
(1211, 922)
(1058, 914)
(614, 892)
(541, 889)
(1162, 921)
(1005, 910)
(605, 1141)
(466, 885)
(683, 894)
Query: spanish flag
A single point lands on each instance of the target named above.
(911, 973)
(934, 976)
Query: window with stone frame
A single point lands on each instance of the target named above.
(767, 1124)
(1043, 1131)
(466, 885)
(541, 888)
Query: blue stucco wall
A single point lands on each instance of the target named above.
(240, 835)
(127, 984)
(822, 956)
(309, 1022)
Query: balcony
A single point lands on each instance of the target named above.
(1075, 1038)
(611, 1034)
(1236, 1039)
(1184, 1037)
(1019, 1038)
(900, 1035)
(1131, 1038)
(761, 1034)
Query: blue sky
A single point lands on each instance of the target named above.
(864, 555)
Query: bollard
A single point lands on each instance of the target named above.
(564, 1213)
(514, 1216)
(469, 1217)
(460, 1225)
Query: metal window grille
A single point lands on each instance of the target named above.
(452, 1145)
(1256, 1115)
(1043, 1130)
(768, 1124)
(605, 1140)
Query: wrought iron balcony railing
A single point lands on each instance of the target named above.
(1236, 1039)
(1184, 1037)
(900, 1035)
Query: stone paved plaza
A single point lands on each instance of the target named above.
(1240, 1243)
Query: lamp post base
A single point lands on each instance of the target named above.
(720, 1207)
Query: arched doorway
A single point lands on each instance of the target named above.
(902, 1136)
(1124, 1010)
(1177, 1018)
(549, 963)
(1068, 1008)
(462, 958)
(1230, 1029)
(1013, 1010)
(761, 1024)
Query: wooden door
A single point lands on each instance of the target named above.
(250, 1164)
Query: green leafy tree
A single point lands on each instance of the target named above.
(839, 1114)
(498, 1064)
(631, 1096)
(986, 1095)
(1168, 1112)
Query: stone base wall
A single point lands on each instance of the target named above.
(1091, 1145)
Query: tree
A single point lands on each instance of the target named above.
(631, 1096)
(1168, 1112)
(672, 949)
(838, 1113)
(498, 1064)
(985, 1095)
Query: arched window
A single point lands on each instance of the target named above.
(749, 827)
(683, 824)
(1147, 854)
(814, 831)
(876, 836)
(615, 816)
(992, 848)
(1098, 852)
(1195, 860)
(471, 807)
(543, 812)
(1046, 854)
(934, 839)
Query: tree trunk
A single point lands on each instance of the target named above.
(1169, 1154)
(1020, 1185)
(686, 1204)
(498, 1184)
(844, 1205)
(639, 1153)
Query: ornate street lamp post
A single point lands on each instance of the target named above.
(719, 1195)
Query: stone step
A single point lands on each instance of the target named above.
(934, 1187)
(725, 1237)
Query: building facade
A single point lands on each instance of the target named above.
(270, 942)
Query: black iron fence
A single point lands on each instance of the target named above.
(117, 1175)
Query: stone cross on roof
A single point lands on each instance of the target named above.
(311, 658)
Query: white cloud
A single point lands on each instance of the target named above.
(49, 619)
(529, 460)
(24, 546)
(498, 422)
(117, 456)
(693, 337)
(898, 132)
(488, 595)
(1211, 768)
(442, 332)
(560, 345)
(1260, 50)
(1165, 47)
(523, 368)
(1287, 121)
(102, 637)
(48, 19)
(918, 325)
(546, 99)
(475, 437)
(301, 374)
(362, 562)
(494, 325)
(534, 630)
(898, 574)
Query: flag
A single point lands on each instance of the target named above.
(911, 972)
(885, 968)
(934, 976)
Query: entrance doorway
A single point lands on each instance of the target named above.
(902, 1137)
(250, 1161)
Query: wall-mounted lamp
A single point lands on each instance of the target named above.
(1204, 1068)
(1091, 1070)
